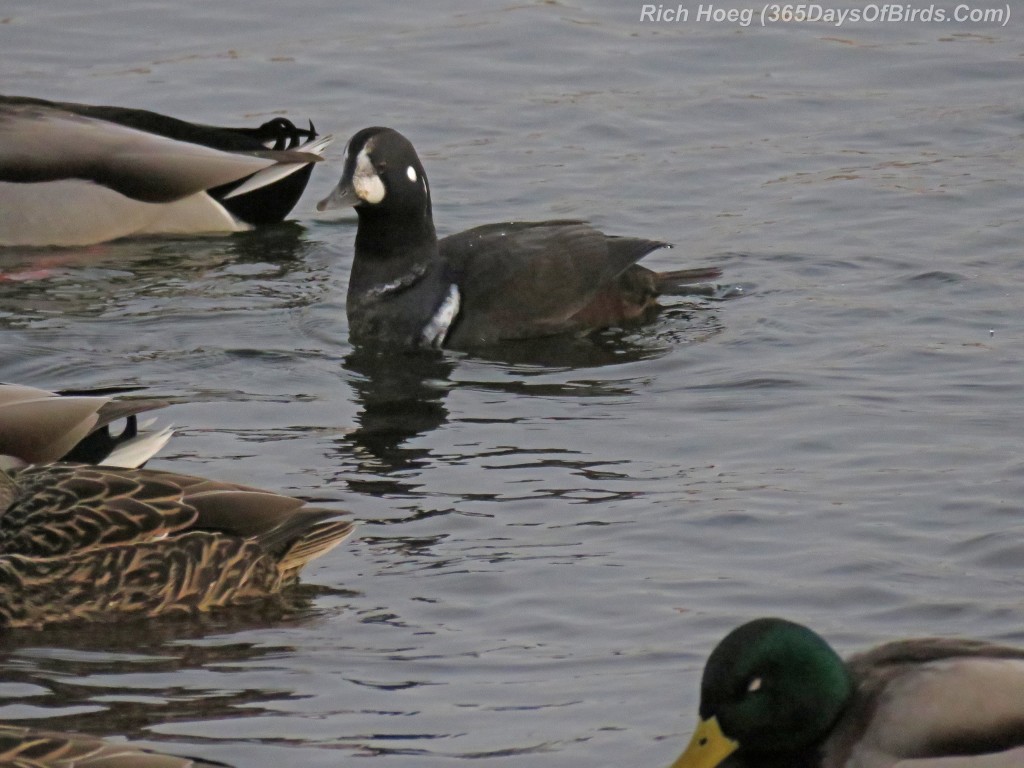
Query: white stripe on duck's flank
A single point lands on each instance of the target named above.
(436, 331)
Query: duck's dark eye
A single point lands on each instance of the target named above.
(382, 166)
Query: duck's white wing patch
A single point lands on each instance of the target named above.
(436, 331)
(51, 145)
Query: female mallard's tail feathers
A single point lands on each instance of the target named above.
(282, 525)
(318, 540)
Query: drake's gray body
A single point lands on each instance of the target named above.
(76, 174)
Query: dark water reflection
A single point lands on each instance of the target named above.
(402, 394)
(128, 676)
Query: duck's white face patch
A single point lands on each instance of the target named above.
(436, 331)
(411, 173)
(365, 181)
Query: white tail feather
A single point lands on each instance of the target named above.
(277, 172)
(137, 451)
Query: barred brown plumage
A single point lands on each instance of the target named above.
(32, 748)
(99, 543)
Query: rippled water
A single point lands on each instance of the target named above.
(554, 537)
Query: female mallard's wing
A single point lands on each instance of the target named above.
(95, 543)
(33, 748)
(73, 174)
(37, 426)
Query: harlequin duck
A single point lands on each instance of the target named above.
(486, 285)
(78, 174)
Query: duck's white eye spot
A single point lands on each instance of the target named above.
(755, 685)
(411, 173)
(365, 181)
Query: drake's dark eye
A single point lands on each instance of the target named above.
(382, 166)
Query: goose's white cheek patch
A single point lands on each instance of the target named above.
(365, 180)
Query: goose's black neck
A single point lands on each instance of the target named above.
(391, 248)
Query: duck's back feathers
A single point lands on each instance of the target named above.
(524, 279)
(934, 702)
(34, 748)
(95, 543)
(37, 426)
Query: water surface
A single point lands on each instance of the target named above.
(553, 538)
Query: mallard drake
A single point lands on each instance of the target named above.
(35, 748)
(775, 694)
(102, 543)
(39, 427)
(487, 285)
(75, 174)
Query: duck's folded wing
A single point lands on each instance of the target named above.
(952, 711)
(60, 509)
(560, 266)
(39, 144)
(37, 426)
(44, 428)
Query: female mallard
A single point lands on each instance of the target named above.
(38, 427)
(775, 694)
(33, 748)
(95, 543)
(74, 174)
